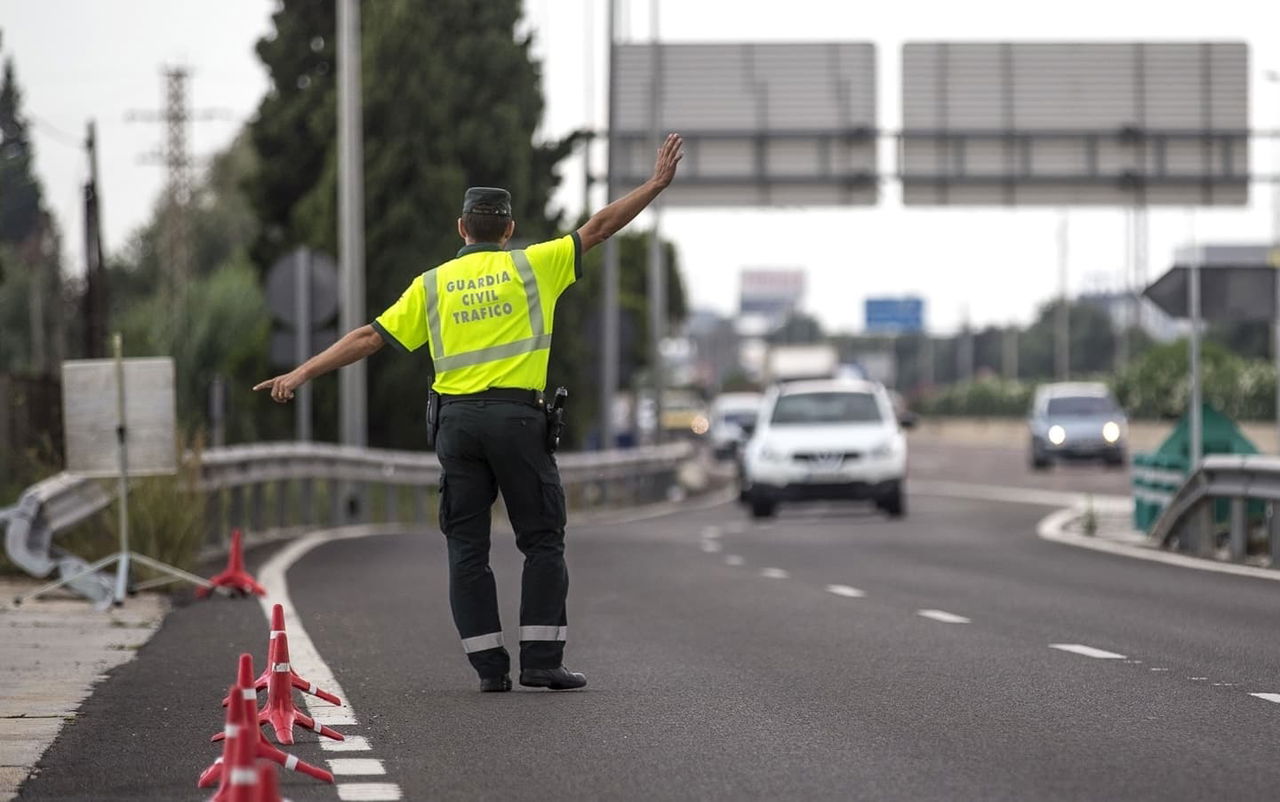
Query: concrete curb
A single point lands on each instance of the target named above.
(1055, 529)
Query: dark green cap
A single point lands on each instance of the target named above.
(487, 200)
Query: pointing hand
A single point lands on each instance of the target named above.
(282, 387)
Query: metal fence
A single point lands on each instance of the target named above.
(1248, 486)
(283, 486)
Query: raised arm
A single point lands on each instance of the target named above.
(354, 346)
(610, 220)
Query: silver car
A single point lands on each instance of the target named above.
(1077, 421)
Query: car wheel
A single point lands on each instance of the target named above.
(894, 503)
(763, 508)
(1115, 460)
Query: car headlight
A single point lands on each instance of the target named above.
(1111, 431)
(1057, 435)
(700, 425)
(885, 449)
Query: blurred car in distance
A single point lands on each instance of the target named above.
(834, 439)
(733, 417)
(1077, 421)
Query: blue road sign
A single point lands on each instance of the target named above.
(894, 315)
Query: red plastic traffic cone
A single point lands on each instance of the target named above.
(277, 629)
(280, 711)
(235, 578)
(268, 784)
(248, 702)
(237, 762)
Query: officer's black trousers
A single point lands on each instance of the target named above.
(484, 447)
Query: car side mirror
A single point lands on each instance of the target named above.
(748, 429)
(908, 420)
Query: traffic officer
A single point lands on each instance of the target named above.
(486, 316)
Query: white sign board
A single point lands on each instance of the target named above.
(91, 417)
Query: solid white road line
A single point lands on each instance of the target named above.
(1011, 495)
(367, 766)
(774, 573)
(846, 591)
(353, 743)
(1269, 697)
(733, 559)
(943, 616)
(369, 792)
(1087, 651)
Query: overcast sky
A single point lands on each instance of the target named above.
(81, 59)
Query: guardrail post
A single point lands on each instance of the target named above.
(337, 494)
(281, 489)
(236, 513)
(420, 503)
(1273, 533)
(255, 507)
(1200, 529)
(389, 503)
(215, 524)
(306, 501)
(1239, 530)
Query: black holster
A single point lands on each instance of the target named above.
(555, 419)
(433, 418)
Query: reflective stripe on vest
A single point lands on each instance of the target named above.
(541, 338)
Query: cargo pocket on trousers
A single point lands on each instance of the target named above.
(442, 504)
(553, 503)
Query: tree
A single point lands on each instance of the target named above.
(30, 278)
(451, 99)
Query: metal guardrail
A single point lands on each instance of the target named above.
(278, 486)
(1248, 483)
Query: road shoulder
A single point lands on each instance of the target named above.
(56, 651)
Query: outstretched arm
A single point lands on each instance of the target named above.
(354, 346)
(610, 220)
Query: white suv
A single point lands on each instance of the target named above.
(826, 440)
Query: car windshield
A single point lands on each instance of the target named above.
(826, 408)
(738, 417)
(1081, 406)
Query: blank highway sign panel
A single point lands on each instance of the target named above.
(764, 124)
(1075, 123)
(90, 416)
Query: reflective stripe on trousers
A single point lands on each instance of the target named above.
(544, 633)
(480, 643)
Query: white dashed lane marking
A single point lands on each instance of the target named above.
(846, 591)
(1268, 697)
(774, 573)
(711, 546)
(711, 532)
(352, 766)
(369, 792)
(1087, 651)
(733, 559)
(353, 743)
(943, 616)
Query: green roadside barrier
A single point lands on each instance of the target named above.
(1157, 475)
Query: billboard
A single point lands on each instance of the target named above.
(894, 315)
(770, 293)
(763, 124)
(1075, 123)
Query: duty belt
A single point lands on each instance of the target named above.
(530, 397)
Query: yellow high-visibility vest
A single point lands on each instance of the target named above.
(486, 315)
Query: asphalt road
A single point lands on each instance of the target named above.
(828, 654)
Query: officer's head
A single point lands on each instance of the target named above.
(486, 216)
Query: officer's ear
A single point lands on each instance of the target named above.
(462, 230)
(510, 232)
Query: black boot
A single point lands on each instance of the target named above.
(557, 679)
(495, 684)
